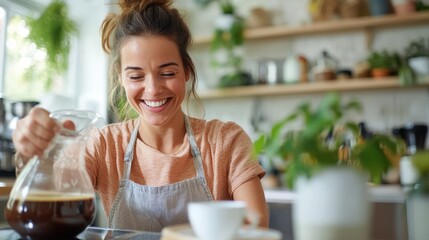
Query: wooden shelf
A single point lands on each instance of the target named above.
(306, 88)
(364, 23)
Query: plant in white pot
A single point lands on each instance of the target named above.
(329, 169)
(417, 57)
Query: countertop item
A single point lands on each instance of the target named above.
(94, 233)
(184, 232)
(6, 185)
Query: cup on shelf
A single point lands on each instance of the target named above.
(219, 220)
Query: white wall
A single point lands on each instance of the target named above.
(383, 109)
(90, 75)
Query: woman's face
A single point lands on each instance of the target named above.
(154, 78)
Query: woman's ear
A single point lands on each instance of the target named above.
(187, 74)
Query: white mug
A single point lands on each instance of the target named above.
(219, 220)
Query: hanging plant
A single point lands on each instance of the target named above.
(52, 31)
(227, 48)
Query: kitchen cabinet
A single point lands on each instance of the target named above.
(366, 24)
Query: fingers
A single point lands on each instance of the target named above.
(69, 125)
(34, 132)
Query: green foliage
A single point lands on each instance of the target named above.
(417, 48)
(421, 6)
(52, 31)
(421, 162)
(227, 7)
(226, 49)
(307, 151)
(384, 59)
(122, 109)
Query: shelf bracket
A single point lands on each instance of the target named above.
(369, 38)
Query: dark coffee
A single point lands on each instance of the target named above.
(51, 216)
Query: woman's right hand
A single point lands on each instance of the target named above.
(33, 133)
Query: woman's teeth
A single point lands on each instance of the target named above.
(155, 103)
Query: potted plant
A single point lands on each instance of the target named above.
(402, 7)
(328, 167)
(383, 63)
(227, 49)
(418, 198)
(417, 56)
(52, 31)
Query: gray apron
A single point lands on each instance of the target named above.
(151, 208)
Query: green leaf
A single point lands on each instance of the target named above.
(52, 31)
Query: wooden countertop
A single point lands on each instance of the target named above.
(6, 185)
(377, 194)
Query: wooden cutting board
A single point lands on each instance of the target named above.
(184, 232)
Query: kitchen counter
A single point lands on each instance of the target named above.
(6, 185)
(95, 233)
(378, 194)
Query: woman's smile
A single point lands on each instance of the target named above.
(156, 106)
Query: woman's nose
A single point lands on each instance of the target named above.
(153, 85)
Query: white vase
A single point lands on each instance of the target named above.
(417, 217)
(420, 65)
(332, 205)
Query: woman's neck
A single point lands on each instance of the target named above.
(167, 138)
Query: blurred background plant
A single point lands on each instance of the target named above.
(327, 140)
(227, 47)
(52, 31)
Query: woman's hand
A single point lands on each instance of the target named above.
(33, 133)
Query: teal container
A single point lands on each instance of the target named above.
(380, 7)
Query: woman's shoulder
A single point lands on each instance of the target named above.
(215, 127)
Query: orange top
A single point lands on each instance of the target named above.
(225, 149)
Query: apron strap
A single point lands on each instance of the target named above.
(198, 161)
(129, 153)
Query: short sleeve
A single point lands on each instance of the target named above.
(237, 151)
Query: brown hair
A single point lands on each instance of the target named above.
(144, 18)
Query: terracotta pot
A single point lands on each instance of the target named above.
(380, 72)
(403, 7)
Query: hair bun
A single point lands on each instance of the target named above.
(128, 6)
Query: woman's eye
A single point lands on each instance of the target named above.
(168, 74)
(135, 77)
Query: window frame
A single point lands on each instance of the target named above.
(17, 7)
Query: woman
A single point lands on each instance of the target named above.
(147, 169)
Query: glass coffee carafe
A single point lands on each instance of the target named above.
(53, 197)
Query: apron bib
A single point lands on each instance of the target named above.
(148, 208)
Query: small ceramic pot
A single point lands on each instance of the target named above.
(379, 7)
(420, 65)
(403, 7)
(380, 72)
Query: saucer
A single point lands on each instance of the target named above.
(184, 232)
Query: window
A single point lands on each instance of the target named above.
(25, 75)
